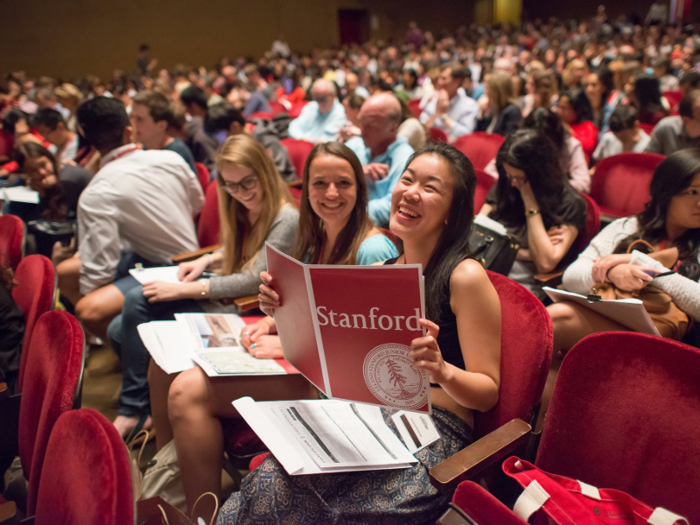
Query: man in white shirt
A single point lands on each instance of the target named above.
(139, 208)
(64, 143)
(450, 109)
(322, 119)
(625, 135)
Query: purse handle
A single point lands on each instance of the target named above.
(640, 241)
(203, 511)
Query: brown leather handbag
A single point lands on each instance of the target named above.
(670, 321)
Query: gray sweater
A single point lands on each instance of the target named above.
(282, 235)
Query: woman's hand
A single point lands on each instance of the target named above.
(159, 291)
(189, 271)
(556, 235)
(529, 200)
(269, 299)
(251, 333)
(267, 347)
(603, 265)
(630, 277)
(61, 253)
(426, 354)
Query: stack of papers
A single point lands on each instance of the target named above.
(19, 194)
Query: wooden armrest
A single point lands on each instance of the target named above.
(191, 256)
(9, 514)
(246, 303)
(4, 391)
(297, 184)
(471, 461)
(552, 279)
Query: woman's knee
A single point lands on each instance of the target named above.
(188, 391)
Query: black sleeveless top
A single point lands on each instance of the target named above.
(448, 338)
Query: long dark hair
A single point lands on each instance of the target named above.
(312, 236)
(671, 177)
(648, 94)
(453, 245)
(535, 154)
(579, 103)
(52, 206)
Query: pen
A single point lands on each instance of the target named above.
(662, 274)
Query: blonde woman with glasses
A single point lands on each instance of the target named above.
(255, 207)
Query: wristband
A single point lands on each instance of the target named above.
(533, 211)
(204, 287)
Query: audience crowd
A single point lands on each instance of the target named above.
(129, 160)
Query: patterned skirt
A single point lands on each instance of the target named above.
(270, 495)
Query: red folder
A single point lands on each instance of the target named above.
(348, 329)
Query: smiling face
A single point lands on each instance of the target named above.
(40, 172)
(421, 200)
(332, 188)
(243, 184)
(684, 209)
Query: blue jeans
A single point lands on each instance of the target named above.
(126, 342)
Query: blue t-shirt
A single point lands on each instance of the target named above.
(376, 248)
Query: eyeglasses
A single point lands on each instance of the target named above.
(246, 184)
(322, 100)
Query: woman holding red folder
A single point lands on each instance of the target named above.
(432, 211)
(334, 228)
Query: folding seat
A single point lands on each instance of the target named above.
(437, 135)
(479, 147)
(11, 240)
(202, 175)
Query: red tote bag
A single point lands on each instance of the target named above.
(565, 501)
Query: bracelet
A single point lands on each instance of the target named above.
(211, 260)
(533, 211)
(204, 287)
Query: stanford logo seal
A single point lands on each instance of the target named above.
(392, 379)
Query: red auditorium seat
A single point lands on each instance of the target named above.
(296, 108)
(414, 106)
(674, 98)
(208, 225)
(479, 147)
(437, 135)
(298, 151)
(276, 108)
(86, 477)
(648, 128)
(11, 240)
(620, 185)
(479, 505)
(592, 222)
(51, 370)
(202, 175)
(34, 294)
(484, 181)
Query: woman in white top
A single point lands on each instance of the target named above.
(671, 224)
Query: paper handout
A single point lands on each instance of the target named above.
(166, 274)
(19, 194)
(348, 329)
(630, 313)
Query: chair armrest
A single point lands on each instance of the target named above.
(552, 279)
(4, 391)
(9, 514)
(297, 184)
(246, 303)
(474, 459)
(191, 256)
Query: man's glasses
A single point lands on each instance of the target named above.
(246, 184)
(322, 100)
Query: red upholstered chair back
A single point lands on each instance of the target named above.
(86, 476)
(276, 108)
(647, 128)
(298, 151)
(592, 224)
(51, 373)
(484, 181)
(437, 135)
(208, 226)
(296, 108)
(11, 240)
(526, 352)
(481, 148)
(674, 98)
(202, 175)
(414, 106)
(620, 185)
(625, 414)
(482, 507)
(34, 294)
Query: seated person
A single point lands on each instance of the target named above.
(255, 207)
(503, 115)
(202, 146)
(671, 225)
(646, 97)
(382, 153)
(151, 115)
(680, 132)
(64, 143)
(449, 108)
(145, 200)
(576, 113)
(322, 119)
(11, 335)
(59, 188)
(535, 203)
(223, 120)
(432, 213)
(334, 229)
(624, 136)
(411, 129)
(352, 104)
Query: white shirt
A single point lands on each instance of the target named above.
(462, 112)
(141, 200)
(69, 152)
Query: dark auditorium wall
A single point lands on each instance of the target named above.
(577, 9)
(72, 38)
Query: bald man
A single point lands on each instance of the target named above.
(322, 119)
(383, 155)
